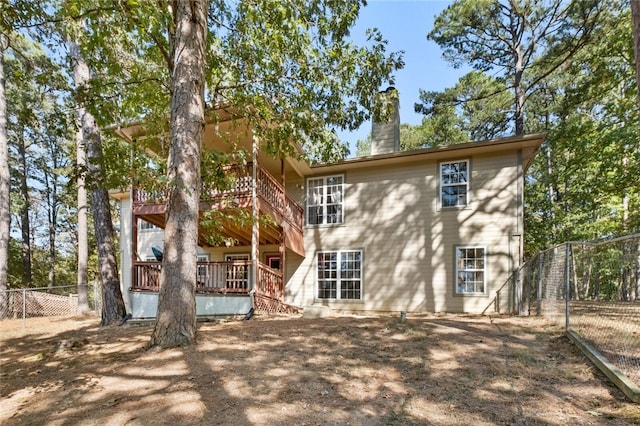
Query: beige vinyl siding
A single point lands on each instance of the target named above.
(393, 214)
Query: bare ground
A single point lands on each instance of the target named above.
(349, 370)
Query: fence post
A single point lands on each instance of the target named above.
(567, 284)
(24, 308)
(539, 288)
(520, 291)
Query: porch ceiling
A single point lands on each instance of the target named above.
(224, 131)
(225, 231)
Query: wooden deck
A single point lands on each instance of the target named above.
(286, 215)
(217, 278)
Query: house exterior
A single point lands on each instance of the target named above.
(431, 230)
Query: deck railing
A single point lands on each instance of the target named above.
(224, 277)
(215, 277)
(273, 193)
(268, 189)
(146, 276)
(270, 282)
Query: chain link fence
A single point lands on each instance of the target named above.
(593, 290)
(25, 303)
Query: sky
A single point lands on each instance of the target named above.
(405, 24)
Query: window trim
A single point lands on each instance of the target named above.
(442, 185)
(144, 226)
(339, 277)
(484, 270)
(202, 271)
(268, 257)
(324, 204)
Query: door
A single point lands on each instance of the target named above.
(273, 261)
(238, 274)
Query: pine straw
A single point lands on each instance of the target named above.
(441, 370)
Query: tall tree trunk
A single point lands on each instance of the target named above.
(83, 229)
(635, 20)
(625, 192)
(519, 96)
(113, 308)
(550, 189)
(5, 217)
(516, 31)
(25, 225)
(51, 195)
(176, 318)
(637, 284)
(51, 276)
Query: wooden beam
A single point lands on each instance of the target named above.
(255, 212)
(150, 209)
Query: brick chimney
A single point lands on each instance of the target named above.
(385, 134)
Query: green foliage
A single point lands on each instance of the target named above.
(297, 74)
(478, 107)
(430, 133)
(583, 185)
(65, 267)
(520, 42)
(288, 67)
(363, 147)
(39, 129)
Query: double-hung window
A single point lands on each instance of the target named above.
(454, 183)
(325, 200)
(143, 225)
(202, 269)
(470, 270)
(339, 274)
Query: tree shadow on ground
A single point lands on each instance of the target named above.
(289, 370)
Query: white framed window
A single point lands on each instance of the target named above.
(202, 270)
(470, 270)
(143, 225)
(339, 274)
(325, 200)
(454, 183)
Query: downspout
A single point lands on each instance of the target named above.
(516, 258)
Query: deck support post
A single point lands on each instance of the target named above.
(134, 240)
(285, 229)
(255, 228)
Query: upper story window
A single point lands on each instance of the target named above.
(143, 225)
(325, 200)
(454, 183)
(470, 270)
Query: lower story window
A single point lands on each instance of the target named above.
(470, 270)
(237, 270)
(340, 274)
(203, 270)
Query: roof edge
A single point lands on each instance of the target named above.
(533, 140)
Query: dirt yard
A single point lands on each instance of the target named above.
(349, 370)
